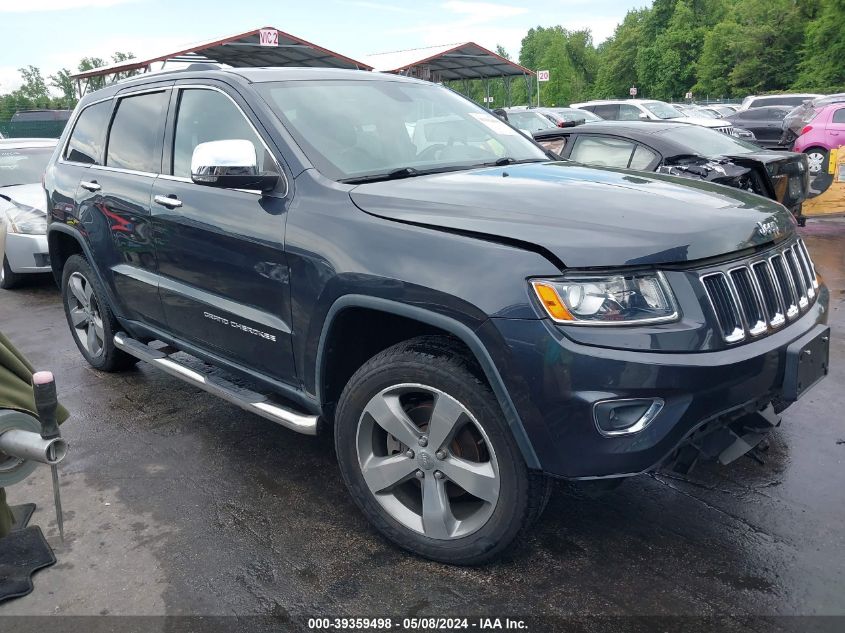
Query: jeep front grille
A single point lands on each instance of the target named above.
(760, 296)
(727, 129)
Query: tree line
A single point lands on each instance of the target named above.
(712, 48)
(34, 92)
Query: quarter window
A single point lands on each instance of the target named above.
(208, 115)
(86, 140)
(136, 130)
(839, 116)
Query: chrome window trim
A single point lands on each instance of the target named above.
(183, 87)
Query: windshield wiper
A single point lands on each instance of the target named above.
(402, 172)
(396, 174)
(14, 184)
(507, 160)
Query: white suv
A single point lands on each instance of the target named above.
(649, 110)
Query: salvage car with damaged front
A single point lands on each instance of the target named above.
(378, 258)
(689, 151)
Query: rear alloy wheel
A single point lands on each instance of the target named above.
(84, 314)
(428, 456)
(91, 321)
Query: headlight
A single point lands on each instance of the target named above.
(583, 299)
(27, 220)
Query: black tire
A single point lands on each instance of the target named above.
(9, 279)
(438, 362)
(109, 358)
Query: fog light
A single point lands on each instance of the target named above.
(624, 417)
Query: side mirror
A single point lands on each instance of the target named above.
(643, 116)
(229, 164)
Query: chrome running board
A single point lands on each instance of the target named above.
(246, 399)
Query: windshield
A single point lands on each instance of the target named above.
(573, 114)
(23, 166)
(354, 129)
(791, 100)
(530, 121)
(707, 142)
(662, 110)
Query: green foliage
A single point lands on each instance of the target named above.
(822, 65)
(616, 73)
(34, 92)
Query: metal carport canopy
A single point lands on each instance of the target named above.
(241, 50)
(448, 62)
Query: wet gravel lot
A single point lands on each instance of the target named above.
(178, 503)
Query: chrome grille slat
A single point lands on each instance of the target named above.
(725, 306)
(765, 279)
(797, 278)
(750, 303)
(787, 288)
(759, 296)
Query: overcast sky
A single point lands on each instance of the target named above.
(53, 34)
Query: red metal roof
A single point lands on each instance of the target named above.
(242, 50)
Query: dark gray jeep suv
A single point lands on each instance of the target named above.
(380, 258)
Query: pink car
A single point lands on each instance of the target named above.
(824, 132)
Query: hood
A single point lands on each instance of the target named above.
(703, 121)
(26, 196)
(584, 216)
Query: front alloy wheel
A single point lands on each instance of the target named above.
(427, 461)
(429, 457)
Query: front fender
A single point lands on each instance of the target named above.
(447, 324)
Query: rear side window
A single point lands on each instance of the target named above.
(610, 152)
(609, 112)
(86, 140)
(207, 115)
(136, 131)
(839, 116)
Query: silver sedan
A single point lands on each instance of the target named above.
(23, 213)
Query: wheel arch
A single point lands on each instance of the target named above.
(63, 242)
(429, 322)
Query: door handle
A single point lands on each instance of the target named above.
(167, 201)
(90, 186)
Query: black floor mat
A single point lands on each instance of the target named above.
(22, 514)
(22, 553)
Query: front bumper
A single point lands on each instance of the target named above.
(27, 253)
(554, 383)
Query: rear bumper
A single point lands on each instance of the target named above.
(27, 253)
(555, 383)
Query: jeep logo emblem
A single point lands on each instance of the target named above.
(769, 227)
(426, 460)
